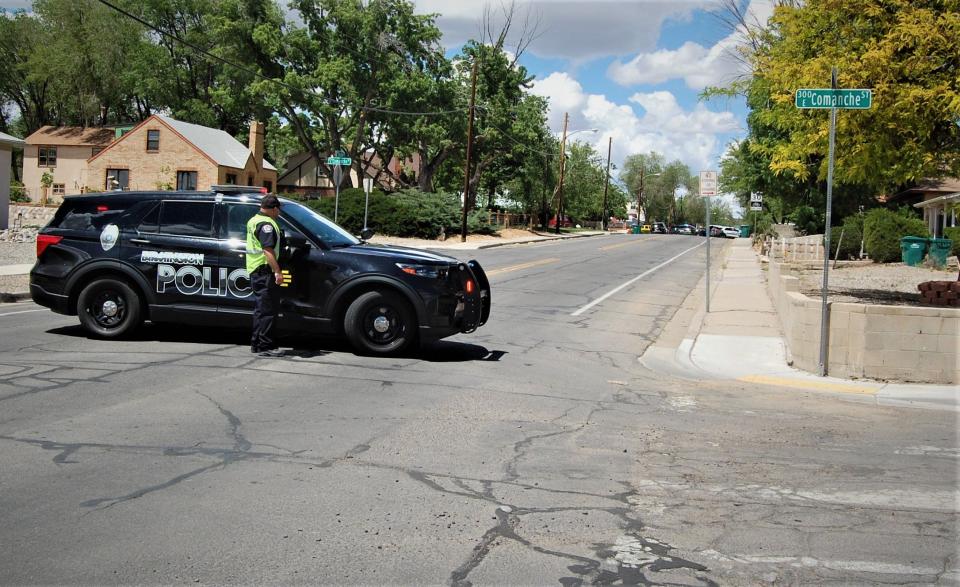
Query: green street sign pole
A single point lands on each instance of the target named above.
(832, 98)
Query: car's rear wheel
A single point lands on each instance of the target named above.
(380, 323)
(109, 308)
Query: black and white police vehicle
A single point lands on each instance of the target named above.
(116, 259)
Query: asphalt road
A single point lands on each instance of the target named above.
(534, 451)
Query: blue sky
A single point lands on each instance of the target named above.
(633, 69)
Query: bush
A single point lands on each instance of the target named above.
(409, 213)
(18, 193)
(807, 220)
(953, 234)
(883, 230)
(852, 231)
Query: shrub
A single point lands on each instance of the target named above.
(953, 233)
(807, 220)
(18, 193)
(852, 231)
(409, 213)
(883, 230)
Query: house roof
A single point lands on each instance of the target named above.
(72, 136)
(11, 141)
(217, 144)
(938, 201)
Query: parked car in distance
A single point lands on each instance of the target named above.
(659, 227)
(567, 223)
(646, 228)
(684, 229)
(730, 232)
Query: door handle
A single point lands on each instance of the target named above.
(140, 241)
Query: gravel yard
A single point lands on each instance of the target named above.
(17, 253)
(873, 283)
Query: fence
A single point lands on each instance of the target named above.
(506, 220)
(789, 250)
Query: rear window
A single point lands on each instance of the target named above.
(86, 216)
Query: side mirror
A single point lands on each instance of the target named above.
(366, 234)
(297, 242)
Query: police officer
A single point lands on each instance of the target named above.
(264, 243)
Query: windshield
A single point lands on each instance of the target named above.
(318, 225)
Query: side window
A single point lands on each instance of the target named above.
(151, 220)
(187, 218)
(237, 217)
(87, 216)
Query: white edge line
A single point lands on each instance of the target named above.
(641, 276)
(22, 312)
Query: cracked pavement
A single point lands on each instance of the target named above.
(535, 451)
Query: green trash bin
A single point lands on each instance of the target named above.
(939, 250)
(636, 229)
(912, 249)
(745, 230)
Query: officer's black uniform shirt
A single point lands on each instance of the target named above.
(267, 236)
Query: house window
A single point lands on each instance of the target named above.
(231, 179)
(59, 189)
(249, 180)
(47, 157)
(187, 180)
(118, 179)
(268, 185)
(153, 140)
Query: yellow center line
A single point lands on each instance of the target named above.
(521, 266)
(801, 383)
(630, 242)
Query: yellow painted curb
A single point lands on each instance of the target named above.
(802, 383)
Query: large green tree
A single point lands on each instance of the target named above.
(907, 51)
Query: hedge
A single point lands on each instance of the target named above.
(852, 231)
(883, 230)
(408, 213)
(953, 233)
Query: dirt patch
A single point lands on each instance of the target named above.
(506, 234)
(865, 282)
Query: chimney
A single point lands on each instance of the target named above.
(256, 142)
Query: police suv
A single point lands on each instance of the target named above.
(116, 259)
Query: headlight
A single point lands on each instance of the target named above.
(430, 271)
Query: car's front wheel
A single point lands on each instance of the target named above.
(380, 323)
(109, 308)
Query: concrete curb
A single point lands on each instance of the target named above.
(542, 240)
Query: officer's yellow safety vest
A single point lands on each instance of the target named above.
(255, 256)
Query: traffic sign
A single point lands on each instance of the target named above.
(756, 205)
(708, 183)
(338, 161)
(756, 197)
(858, 99)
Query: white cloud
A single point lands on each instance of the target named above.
(692, 136)
(697, 65)
(579, 30)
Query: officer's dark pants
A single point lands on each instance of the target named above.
(267, 295)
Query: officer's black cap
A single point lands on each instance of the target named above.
(269, 201)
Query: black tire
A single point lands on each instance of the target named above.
(380, 323)
(109, 308)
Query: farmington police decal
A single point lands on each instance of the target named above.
(192, 281)
(171, 258)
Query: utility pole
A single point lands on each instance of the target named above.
(563, 166)
(640, 196)
(466, 172)
(606, 185)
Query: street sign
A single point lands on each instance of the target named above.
(337, 175)
(756, 197)
(756, 205)
(858, 99)
(368, 184)
(708, 183)
(338, 160)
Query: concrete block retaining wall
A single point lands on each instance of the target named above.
(902, 343)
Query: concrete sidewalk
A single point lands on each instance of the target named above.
(741, 339)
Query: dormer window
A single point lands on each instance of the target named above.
(153, 140)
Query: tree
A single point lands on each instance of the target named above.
(905, 50)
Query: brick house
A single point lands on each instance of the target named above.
(163, 153)
(62, 151)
